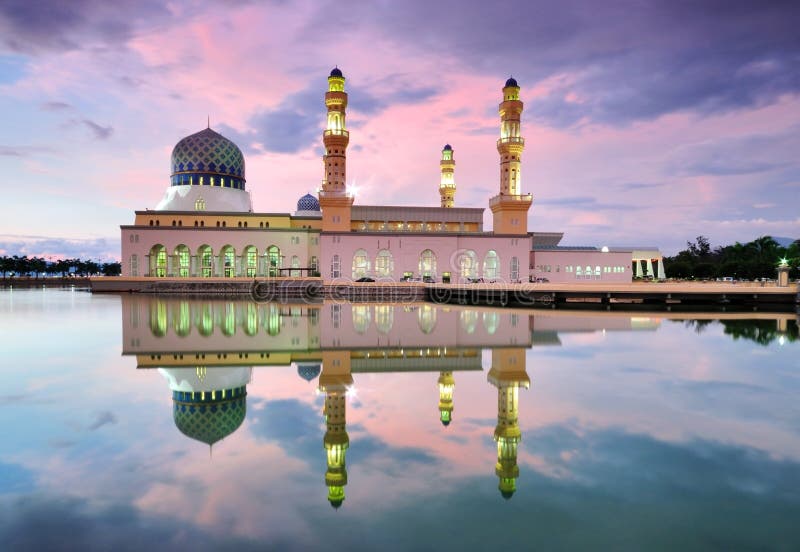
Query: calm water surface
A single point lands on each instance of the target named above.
(137, 422)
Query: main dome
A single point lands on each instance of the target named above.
(207, 158)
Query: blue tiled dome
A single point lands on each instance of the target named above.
(511, 82)
(210, 155)
(209, 420)
(308, 371)
(336, 72)
(308, 203)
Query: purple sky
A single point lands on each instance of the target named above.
(646, 123)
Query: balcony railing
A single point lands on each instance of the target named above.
(336, 132)
(511, 140)
(524, 198)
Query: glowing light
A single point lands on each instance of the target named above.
(604, 249)
(781, 341)
(784, 262)
(351, 393)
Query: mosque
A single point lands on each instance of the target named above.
(205, 226)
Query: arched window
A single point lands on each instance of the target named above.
(295, 266)
(182, 258)
(491, 321)
(336, 266)
(274, 320)
(427, 264)
(468, 264)
(469, 319)
(229, 320)
(205, 320)
(250, 261)
(199, 204)
(228, 255)
(514, 269)
(273, 260)
(490, 265)
(158, 261)
(360, 264)
(206, 261)
(158, 318)
(251, 322)
(361, 318)
(182, 320)
(384, 264)
(384, 318)
(426, 316)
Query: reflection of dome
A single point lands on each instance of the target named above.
(209, 416)
(210, 155)
(511, 82)
(308, 371)
(507, 494)
(336, 72)
(308, 203)
(337, 503)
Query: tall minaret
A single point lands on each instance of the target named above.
(446, 385)
(510, 207)
(447, 186)
(334, 382)
(508, 375)
(333, 197)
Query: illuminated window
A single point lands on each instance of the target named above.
(182, 257)
(360, 264)
(468, 264)
(490, 265)
(427, 264)
(361, 318)
(199, 204)
(228, 261)
(384, 264)
(273, 260)
(206, 261)
(182, 320)
(384, 318)
(251, 260)
(158, 261)
(426, 317)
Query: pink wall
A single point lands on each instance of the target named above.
(562, 265)
(450, 250)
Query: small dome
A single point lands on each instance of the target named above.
(308, 203)
(207, 153)
(337, 503)
(336, 72)
(511, 82)
(447, 147)
(445, 423)
(308, 371)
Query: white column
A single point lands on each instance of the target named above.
(661, 274)
(649, 268)
(639, 268)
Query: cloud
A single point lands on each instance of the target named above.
(55, 106)
(23, 151)
(102, 418)
(37, 26)
(100, 132)
(104, 249)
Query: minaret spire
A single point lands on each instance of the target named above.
(447, 183)
(333, 197)
(510, 207)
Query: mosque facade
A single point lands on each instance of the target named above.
(205, 226)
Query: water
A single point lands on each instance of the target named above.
(567, 430)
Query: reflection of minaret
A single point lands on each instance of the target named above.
(447, 184)
(334, 382)
(446, 385)
(508, 375)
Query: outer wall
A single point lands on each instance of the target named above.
(558, 260)
(406, 250)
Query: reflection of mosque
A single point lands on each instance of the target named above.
(207, 350)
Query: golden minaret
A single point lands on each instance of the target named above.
(447, 183)
(333, 197)
(510, 207)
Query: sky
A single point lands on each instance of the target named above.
(646, 123)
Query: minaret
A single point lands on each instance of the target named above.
(446, 385)
(447, 185)
(333, 197)
(508, 375)
(334, 382)
(510, 207)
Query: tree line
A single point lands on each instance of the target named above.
(24, 266)
(756, 259)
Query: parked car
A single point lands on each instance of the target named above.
(541, 280)
(365, 279)
(428, 279)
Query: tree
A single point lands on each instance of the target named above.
(6, 265)
(112, 269)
